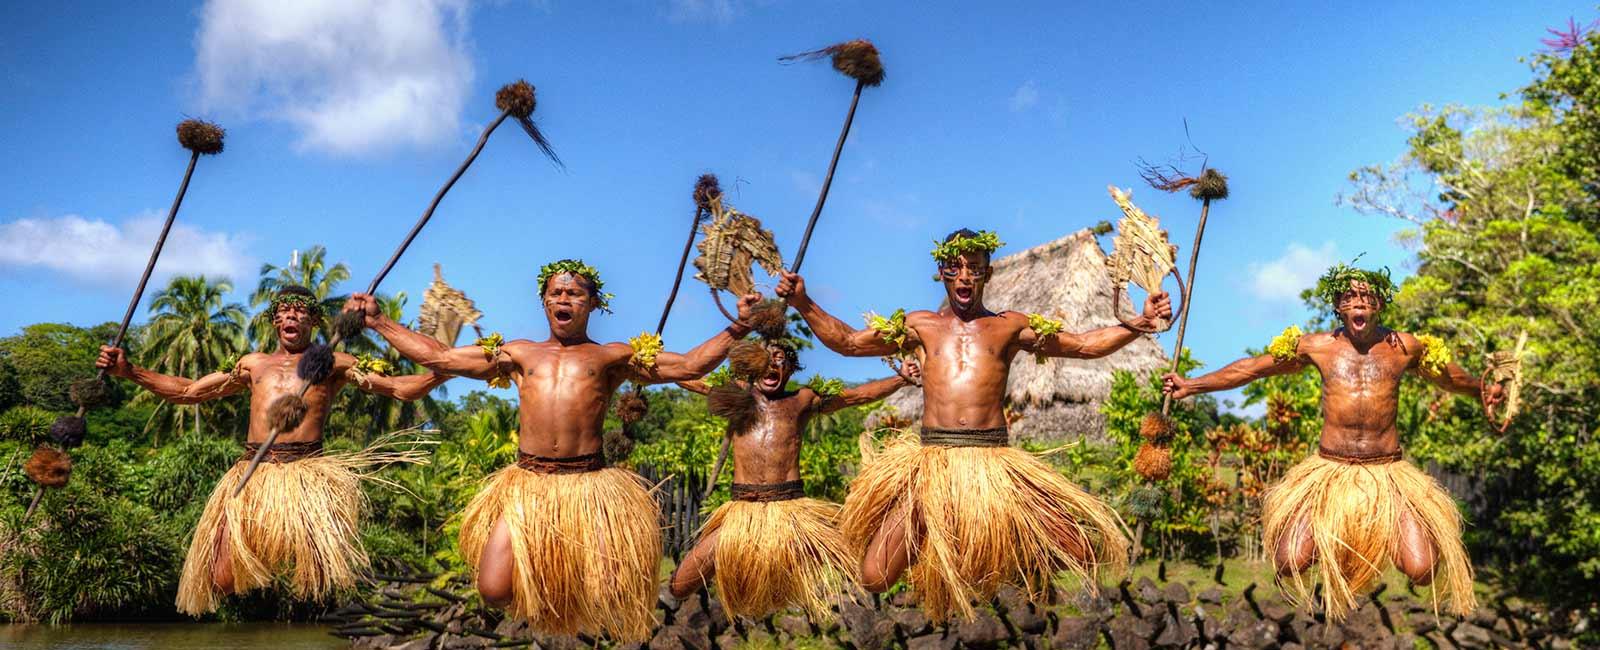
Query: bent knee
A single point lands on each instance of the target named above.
(495, 593)
(1419, 569)
(875, 578)
(1294, 561)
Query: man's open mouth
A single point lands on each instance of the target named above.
(1358, 320)
(563, 315)
(771, 382)
(963, 294)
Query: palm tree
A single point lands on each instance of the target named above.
(309, 270)
(192, 333)
(383, 414)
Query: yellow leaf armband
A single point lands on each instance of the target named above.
(825, 386)
(1435, 354)
(491, 345)
(891, 329)
(645, 348)
(1042, 326)
(367, 365)
(1284, 346)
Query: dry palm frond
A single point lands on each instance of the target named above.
(1504, 367)
(1140, 251)
(733, 241)
(445, 310)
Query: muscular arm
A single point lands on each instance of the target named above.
(698, 386)
(466, 361)
(867, 393)
(1239, 373)
(1092, 344)
(837, 335)
(406, 388)
(180, 390)
(694, 364)
(1453, 378)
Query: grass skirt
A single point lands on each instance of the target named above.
(777, 554)
(1354, 512)
(979, 517)
(586, 549)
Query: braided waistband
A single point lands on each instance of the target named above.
(1359, 460)
(998, 437)
(283, 452)
(769, 491)
(565, 465)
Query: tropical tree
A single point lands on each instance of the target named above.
(192, 332)
(310, 270)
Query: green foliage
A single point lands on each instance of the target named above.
(192, 333)
(48, 357)
(577, 268)
(27, 424)
(984, 242)
(1338, 279)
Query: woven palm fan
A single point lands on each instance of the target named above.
(1140, 253)
(1504, 367)
(444, 310)
(733, 241)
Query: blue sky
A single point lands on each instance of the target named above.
(343, 120)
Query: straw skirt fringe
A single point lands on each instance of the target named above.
(980, 517)
(1354, 516)
(586, 549)
(298, 518)
(778, 554)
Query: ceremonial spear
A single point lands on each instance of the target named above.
(515, 100)
(50, 467)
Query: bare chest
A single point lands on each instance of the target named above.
(1377, 369)
(959, 346)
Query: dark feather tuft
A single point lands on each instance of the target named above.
(90, 393)
(68, 431)
(857, 59)
(316, 365)
(734, 404)
(749, 360)
(1154, 462)
(1210, 186)
(770, 319)
(617, 446)
(286, 413)
(705, 190)
(516, 98)
(348, 325)
(48, 467)
(632, 406)
(538, 139)
(1156, 428)
(200, 136)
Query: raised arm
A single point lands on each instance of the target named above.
(694, 364)
(1439, 368)
(1094, 344)
(177, 390)
(833, 333)
(466, 361)
(867, 393)
(697, 386)
(1233, 375)
(406, 388)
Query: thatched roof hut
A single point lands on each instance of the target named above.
(1060, 398)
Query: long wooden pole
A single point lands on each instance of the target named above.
(1188, 289)
(827, 181)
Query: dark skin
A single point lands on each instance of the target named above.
(1361, 365)
(965, 352)
(769, 451)
(269, 376)
(564, 384)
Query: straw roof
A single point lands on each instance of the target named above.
(1060, 399)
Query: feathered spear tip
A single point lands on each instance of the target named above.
(735, 405)
(857, 59)
(632, 406)
(1156, 428)
(200, 136)
(1154, 462)
(706, 190)
(68, 431)
(316, 364)
(748, 360)
(286, 413)
(89, 393)
(48, 467)
(770, 319)
(348, 325)
(1210, 186)
(517, 100)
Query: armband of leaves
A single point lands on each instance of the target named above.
(718, 377)
(367, 364)
(1435, 354)
(231, 366)
(1284, 346)
(892, 329)
(645, 348)
(826, 386)
(1043, 327)
(491, 345)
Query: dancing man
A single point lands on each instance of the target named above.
(1357, 505)
(960, 507)
(559, 538)
(771, 547)
(300, 514)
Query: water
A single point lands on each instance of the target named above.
(169, 636)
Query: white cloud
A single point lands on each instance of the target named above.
(716, 12)
(1296, 270)
(1025, 97)
(97, 252)
(352, 76)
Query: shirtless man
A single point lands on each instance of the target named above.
(964, 510)
(300, 483)
(782, 549)
(560, 539)
(1356, 504)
